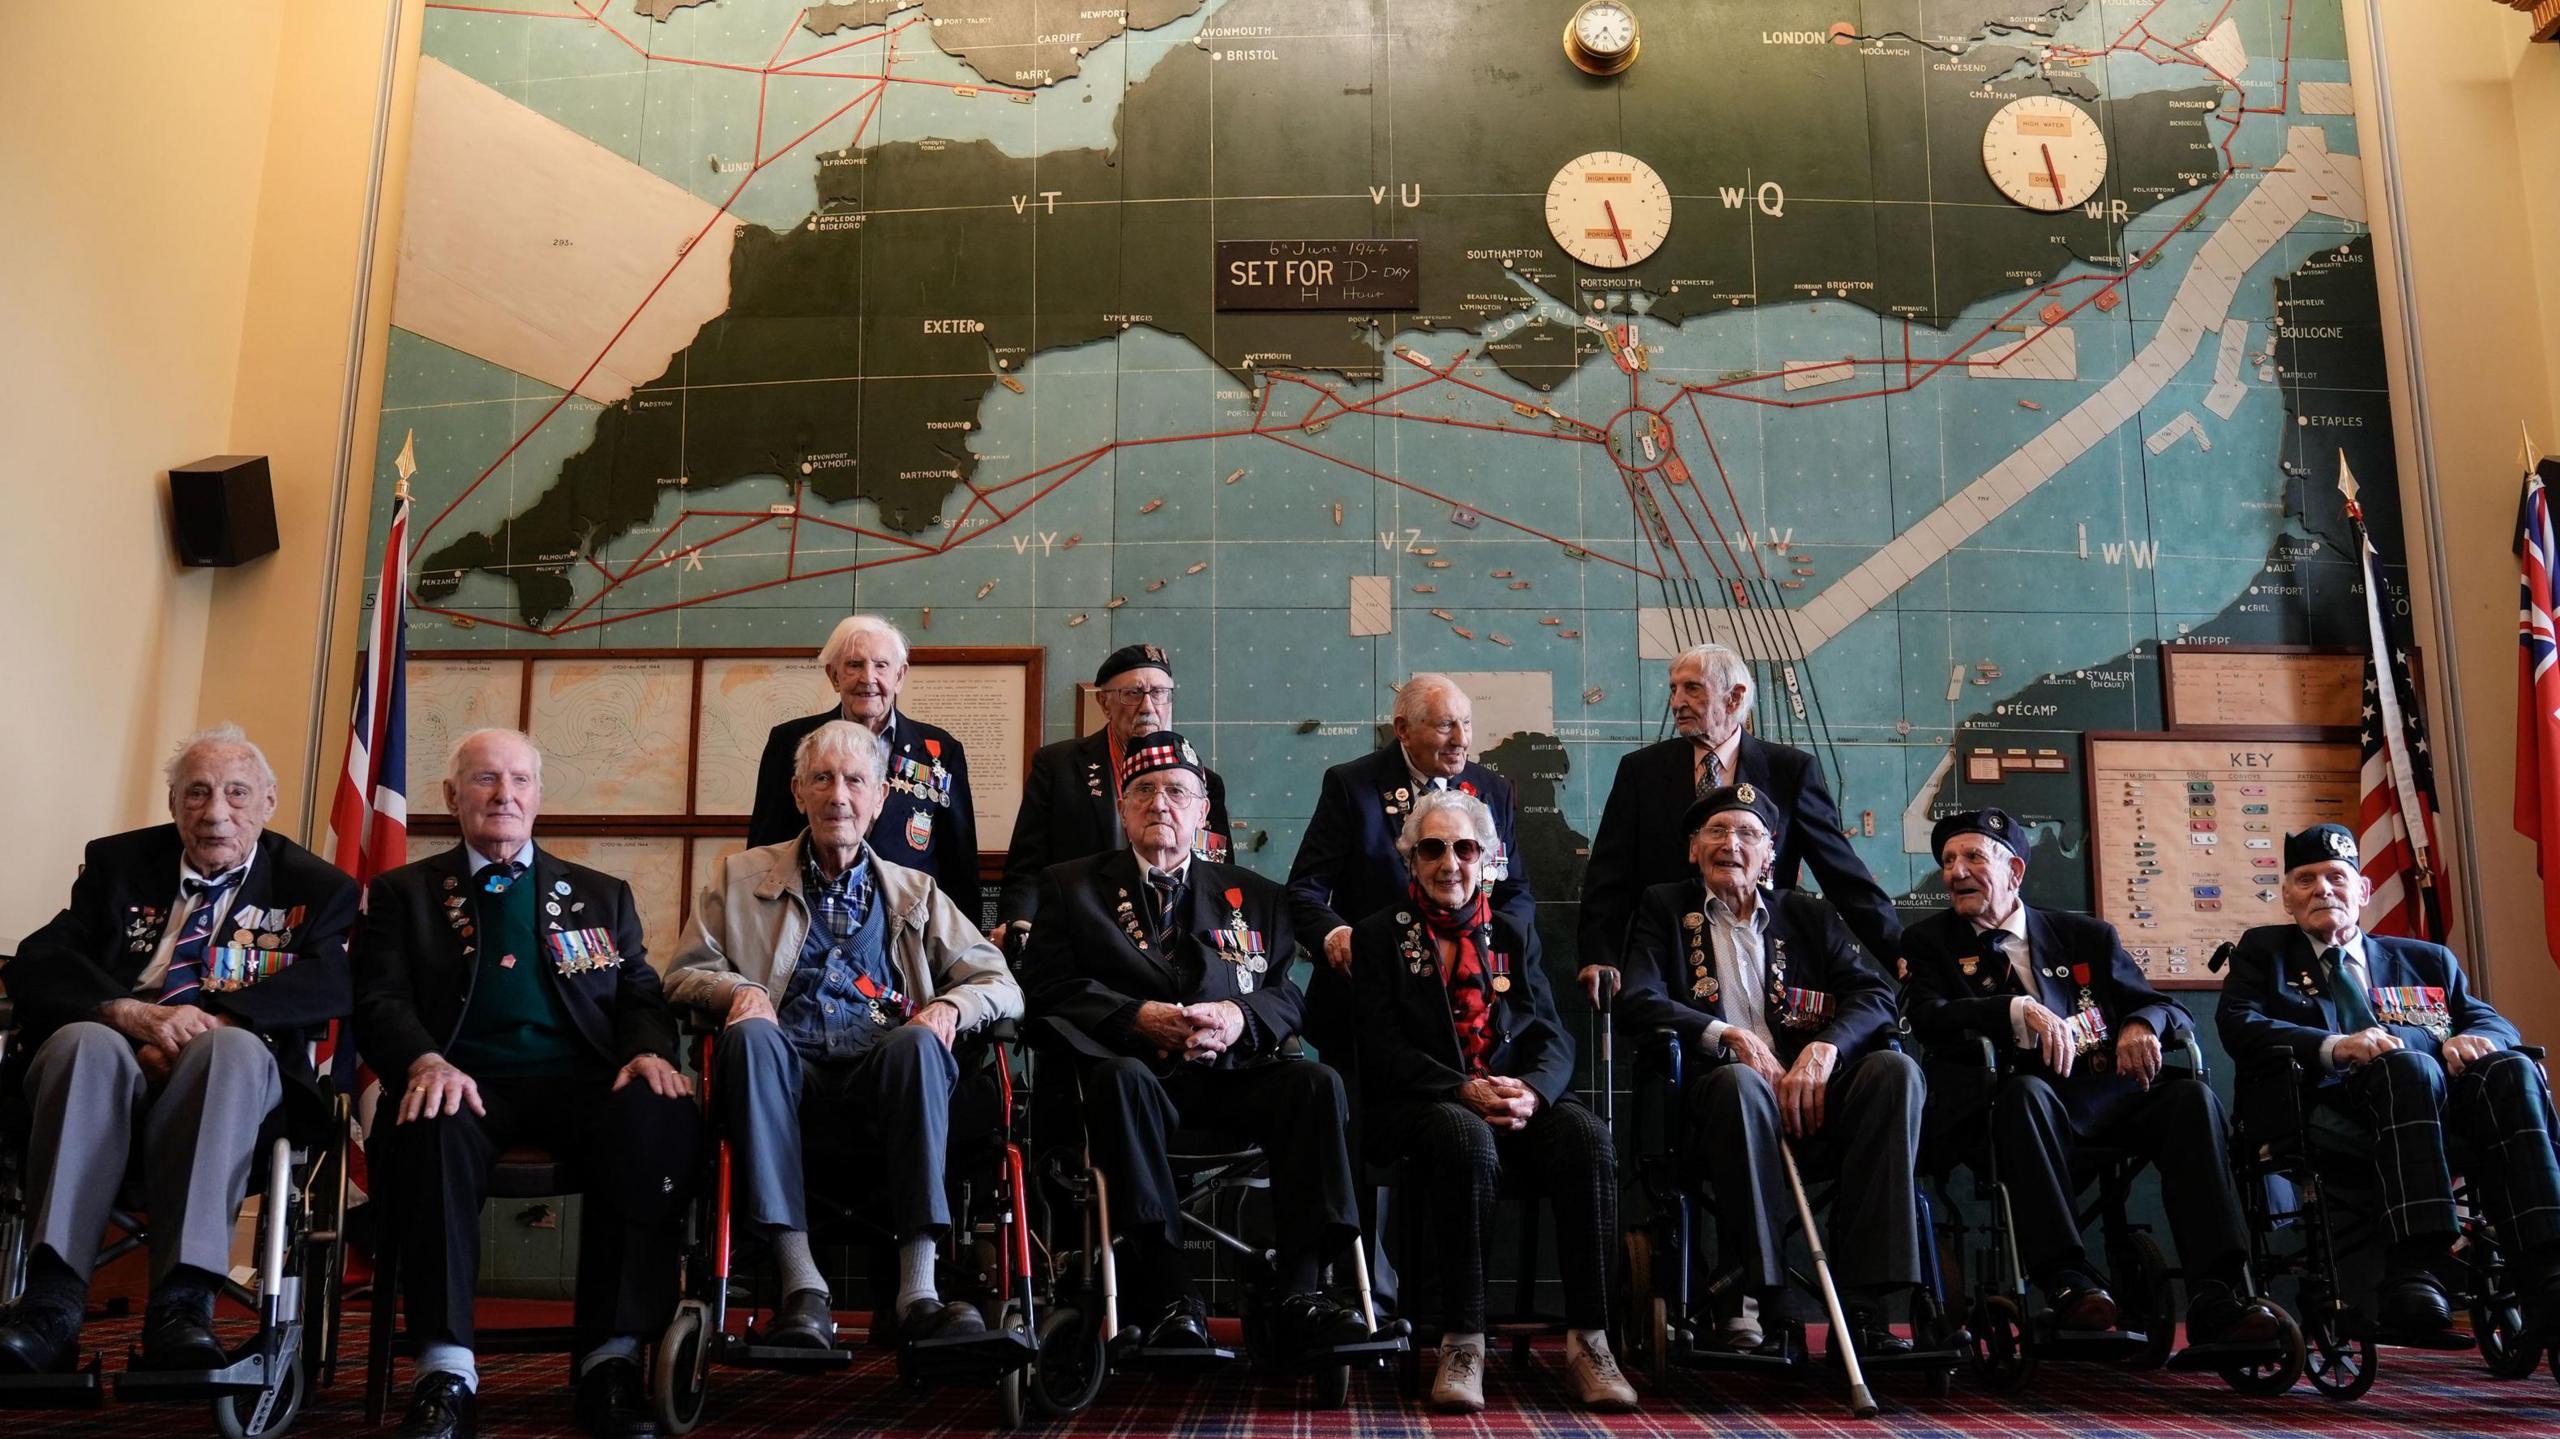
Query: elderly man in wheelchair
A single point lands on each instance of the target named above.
(843, 982)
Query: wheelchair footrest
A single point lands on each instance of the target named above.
(1911, 1359)
(2075, 1346)
(1385, 1344)
(2444, 1340)
(1138, 1355)
(1784, 1358)
(966, 1358)
(748, 1354)
(245, 1375)
(83, 1388)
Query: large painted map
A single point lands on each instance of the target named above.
(718, 318)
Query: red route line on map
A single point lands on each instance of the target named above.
(997, 515)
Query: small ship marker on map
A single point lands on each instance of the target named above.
(1010, 383)
(1309, 726)
(1435, 564)
(986, 589)
(1196, 567)
(1151, 506)
(965, 92)
(1527, 410)
(1497, 639)
(1594, 695)
(2029, 405)
(1079, 617)
(1337, 514)
(1426, 551)
(1115, 602)
(1443, 615)
(1073, 540)
(1426, 589)
(1462, 632)
(1154, 585)
(1568, 634)
(1502, 574)
(1791, 584)
(1519, 584)
(1237, 475)
(928, 617)
(1550, 620)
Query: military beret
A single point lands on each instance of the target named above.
(2318, 845)
(1130, 657)
(1162, 750)
(1730, 797)
(1995, 825)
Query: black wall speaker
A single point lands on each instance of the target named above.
(222, 510)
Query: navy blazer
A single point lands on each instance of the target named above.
(415, 969)
(97, 947)
(916, 827)
(2275, 998)
(1347, 868)
(1408, 1039)
(1950, 995)
(1640, 843)
(1070, 809)
(1090, 962)
(1806, 947)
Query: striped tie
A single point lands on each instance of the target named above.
(1707, 775)
(183, 982)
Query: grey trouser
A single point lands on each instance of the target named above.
(199, 1134)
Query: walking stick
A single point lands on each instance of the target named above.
(1862, 1405)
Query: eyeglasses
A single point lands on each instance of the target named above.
(1148, 792)
(1432, 849)
(1748, 834)
(1150, 693)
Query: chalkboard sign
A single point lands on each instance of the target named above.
(1319, 274)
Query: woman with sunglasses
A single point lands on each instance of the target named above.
(1464, 1074)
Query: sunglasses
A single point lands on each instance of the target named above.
(1432, 849)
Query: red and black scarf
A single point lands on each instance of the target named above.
(1469, 933)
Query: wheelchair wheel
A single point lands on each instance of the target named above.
(2505, 1347)
(1647, 1340)
(265, 1414)
(2000, 1357)
(679, 1382)
(1011, 1395)
(1333, 1386)
(1072, 1364)
(1929, 1331)
(2275, 1375)
(2145, 1271)
(2340, 1365)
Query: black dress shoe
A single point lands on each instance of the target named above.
(802, 1321)
(2080, 1304)
(38, 1339)
(2412, 1301)
(441, 1407)
(940, 1319)
(1873, 1337)
(2218, 1316)
(180, 1337)
(1183, 1325)
(1305, 1323)
(610, 1404)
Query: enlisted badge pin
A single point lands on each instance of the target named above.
(2342, 845)
(560, 887)
(920, 829)
(1746, 794)
(451, 883)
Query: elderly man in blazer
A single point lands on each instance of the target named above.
(2393, 1039)
(1640, 842)
(1164, 977)
(2082, 1027)
(505, 996)
(842, 982)
(172, 1001)
(1789, 1017)
(1347, 866)
(1071, 804)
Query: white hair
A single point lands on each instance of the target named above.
(221, 736)
(1431, 802)
(1722, 669)
(1417, 692)
(840, 737)
(853, 627)
(453, 756)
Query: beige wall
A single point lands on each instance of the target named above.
(2474, 110)
(185, 201)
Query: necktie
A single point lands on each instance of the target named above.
(499, 878)
(1166, 891)
(2355, 1012)
(1707, 767)
(1995, 952)
(183, 982)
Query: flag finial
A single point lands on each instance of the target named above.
(407, 464)
(2347, 487)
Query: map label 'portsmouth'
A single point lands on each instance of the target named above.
(1319, 274)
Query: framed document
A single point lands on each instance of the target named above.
(2186, 836)
(2300, 691)
(449, 698)
(613, 732)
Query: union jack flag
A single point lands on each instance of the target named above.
(2538, 691)
(2396, 822)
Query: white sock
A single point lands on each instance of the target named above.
(792, 1263)
(620, 1346)
(443, 1356)
(915, 1272)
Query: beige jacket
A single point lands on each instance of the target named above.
(750, 921)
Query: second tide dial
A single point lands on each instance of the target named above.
(2045, 152)
(1608, 210)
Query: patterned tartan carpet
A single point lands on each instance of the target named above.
(525, 1398)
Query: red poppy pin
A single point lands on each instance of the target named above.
(1466, 787)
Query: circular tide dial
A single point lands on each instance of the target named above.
(1608, 210)
(2045, 153)
(1602, 37)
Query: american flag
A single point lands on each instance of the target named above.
(369, 819)
(2538, 690)
(2396, 824)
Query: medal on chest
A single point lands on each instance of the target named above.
(142, 926)
(1126, 911)
(1240, 945)
(2418, 1006)
(1395, 802)
(1417, 954)
(1702, 969)
(580, 951)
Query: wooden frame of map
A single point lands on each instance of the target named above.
(2186, 835)
(662, 744)
(2294, 691)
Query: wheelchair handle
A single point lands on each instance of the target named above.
(2221, 956)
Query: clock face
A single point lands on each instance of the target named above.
(2045, 153)
(1608, 210)
(1606, 28)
